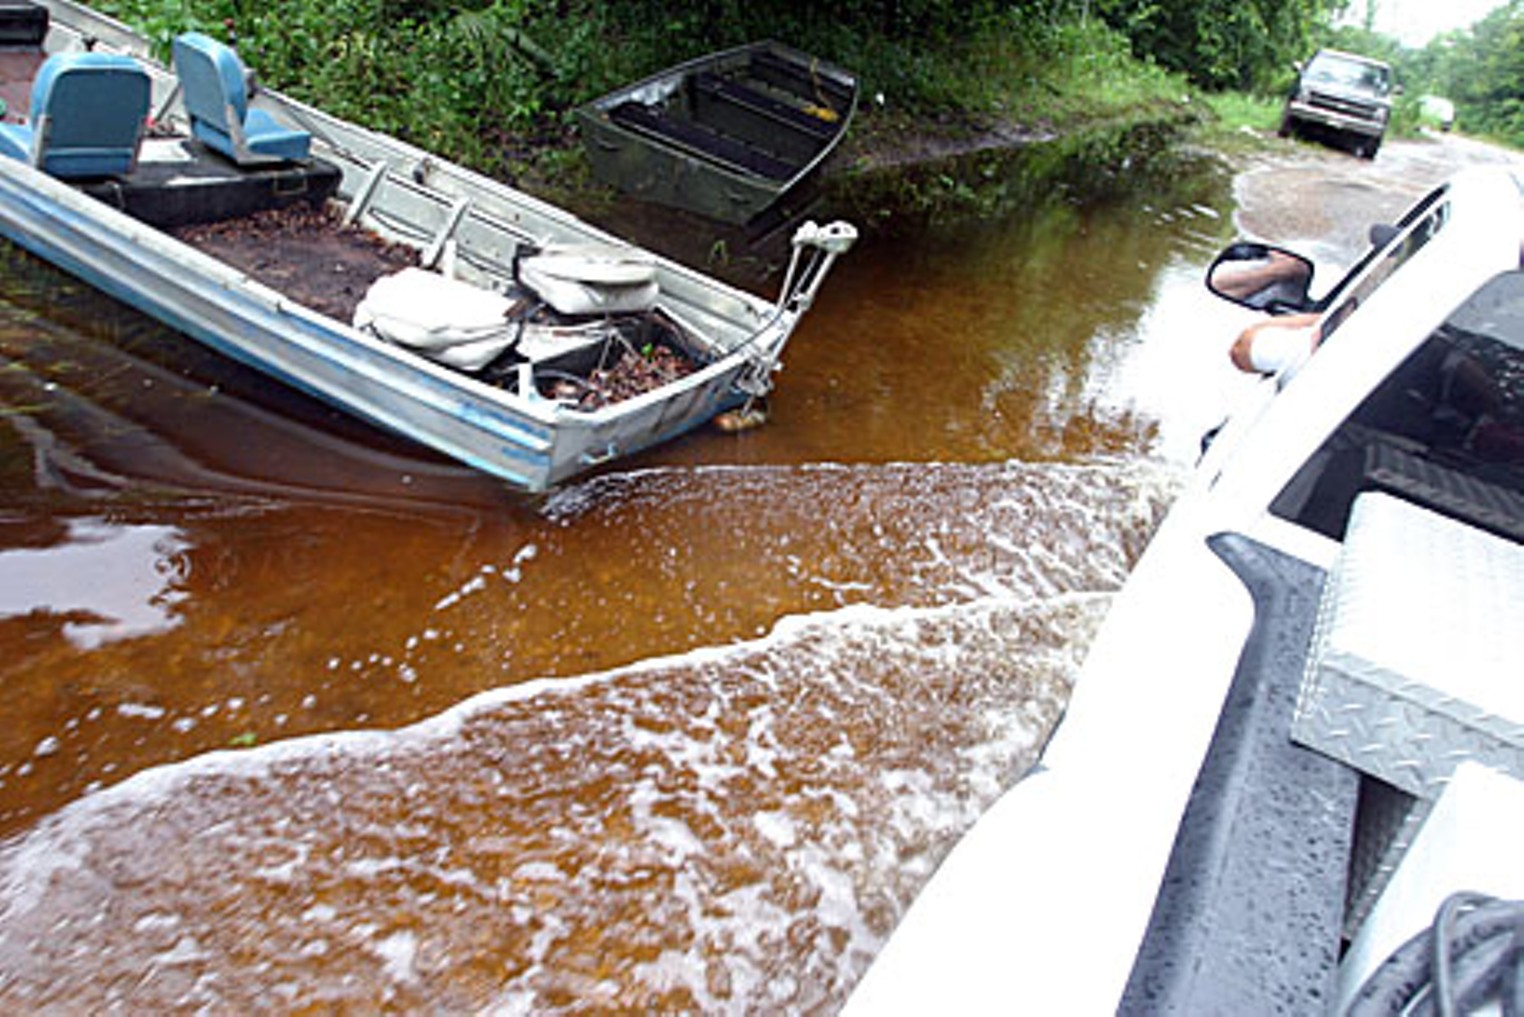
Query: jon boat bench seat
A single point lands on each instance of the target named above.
(739, 94)
(699, 140)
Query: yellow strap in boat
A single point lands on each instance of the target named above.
(824, 110)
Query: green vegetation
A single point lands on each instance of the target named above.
(1238, 121)
(1237, 112)
(1244, 45)
(1482, 72)
(491, 82)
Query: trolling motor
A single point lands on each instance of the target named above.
(800, 284)
(826, 243)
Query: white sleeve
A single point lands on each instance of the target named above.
(1274, 350)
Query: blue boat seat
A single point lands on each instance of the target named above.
(86, 118)
(217, 100)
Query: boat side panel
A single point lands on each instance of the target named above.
(264, 334)
(1252, 903)
(588, 440)
(657, 170)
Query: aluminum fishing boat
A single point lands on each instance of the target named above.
(404, 289)
(728, 135)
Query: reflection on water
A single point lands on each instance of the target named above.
(979, 344)
(685, 735)
(107, 403)
(102, 582)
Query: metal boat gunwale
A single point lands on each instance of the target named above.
(254, 299)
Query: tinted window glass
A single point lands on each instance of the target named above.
(1422, 223)
(1446, 429)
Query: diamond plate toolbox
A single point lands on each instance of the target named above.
(1417, 660)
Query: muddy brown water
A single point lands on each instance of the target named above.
(302, 717)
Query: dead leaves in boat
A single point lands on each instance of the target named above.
(304, 252)
(633, 373)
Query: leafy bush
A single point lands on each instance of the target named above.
(1221, 44)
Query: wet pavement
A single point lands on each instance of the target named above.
(1324, 202)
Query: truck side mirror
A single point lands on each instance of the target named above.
(1261, 277)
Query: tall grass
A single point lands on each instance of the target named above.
(1234, 112)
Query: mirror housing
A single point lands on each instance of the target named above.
(1262, 278)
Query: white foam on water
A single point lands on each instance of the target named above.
(66, 847)
(777, 828)
(397, 952)
(726, 829)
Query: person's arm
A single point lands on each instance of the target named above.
(1272, 345)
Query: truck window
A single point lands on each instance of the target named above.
(1327, 67)
(1422, 223)
(1445, 430)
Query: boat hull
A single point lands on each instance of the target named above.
(531, 447)
(451, 220)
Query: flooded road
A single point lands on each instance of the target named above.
(304, 718)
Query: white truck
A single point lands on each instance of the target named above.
(1342, 97)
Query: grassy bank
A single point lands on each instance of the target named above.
(1013, 113)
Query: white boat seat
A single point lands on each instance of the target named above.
(445, 319)
(591, 279)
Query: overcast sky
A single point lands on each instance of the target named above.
(1415, 22)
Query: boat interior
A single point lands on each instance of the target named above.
(766, 114)
(233, 181)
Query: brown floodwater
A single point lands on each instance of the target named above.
(302, 717)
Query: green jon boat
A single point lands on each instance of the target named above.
(726, 135)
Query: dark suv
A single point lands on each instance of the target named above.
(1343, 96)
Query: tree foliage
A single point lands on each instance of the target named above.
(1221, 44)
(481, 78)
(1482, 71)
